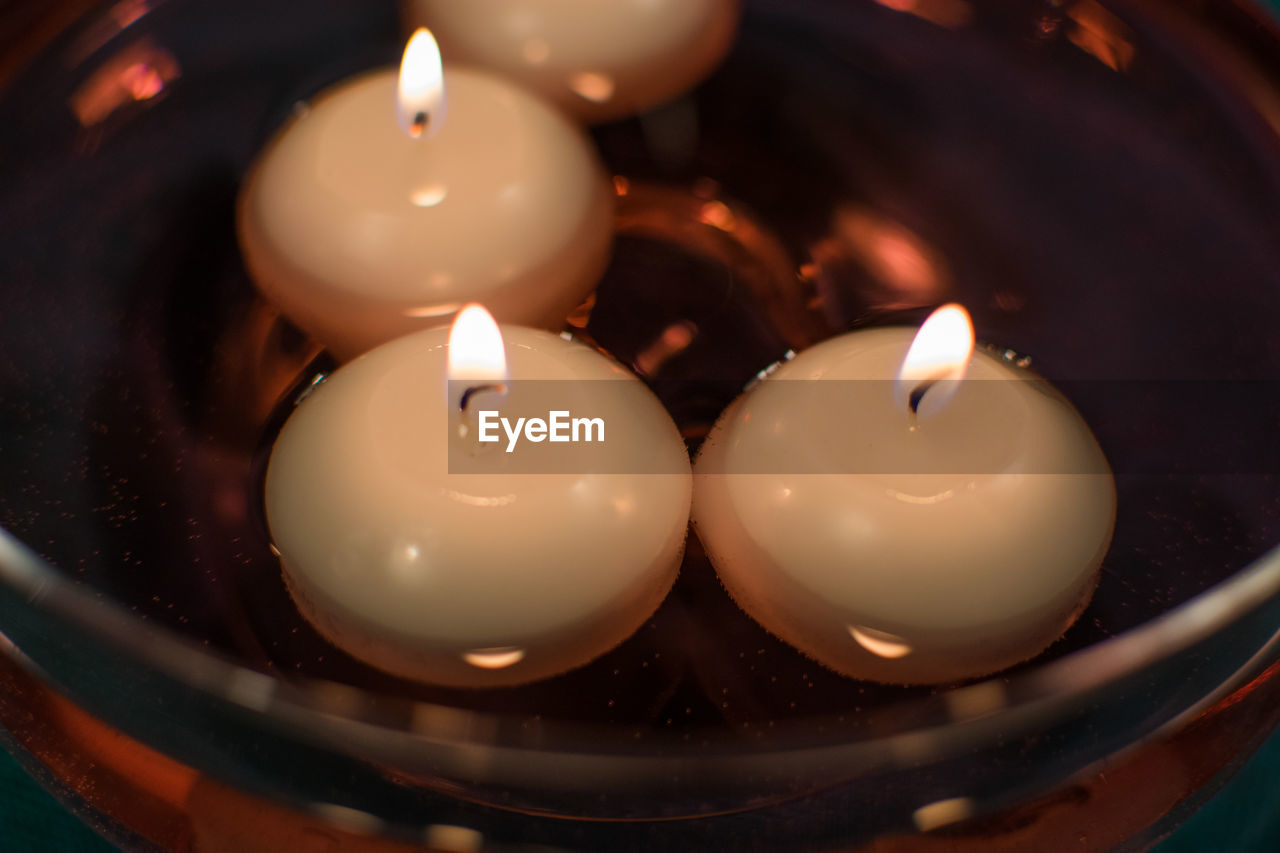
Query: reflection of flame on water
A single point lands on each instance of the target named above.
(716, 214)
(496, 658)
(910, 272)
(696, 221)
(880, 643)
(1100, 34)
(945, 13)
(137, 73)
(673, 340)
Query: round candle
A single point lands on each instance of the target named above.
(599, 61)
(937, 548)
(387, 203)
(484, 577)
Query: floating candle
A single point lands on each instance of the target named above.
(483, 574)
(914, 530)
(391, 200)
(599, 61)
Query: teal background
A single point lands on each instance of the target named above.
(1242, 818)
(32, 821)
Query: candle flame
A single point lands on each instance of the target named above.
(939, 353)
(476, 351)
(420, 95)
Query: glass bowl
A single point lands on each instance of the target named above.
(1099, 184)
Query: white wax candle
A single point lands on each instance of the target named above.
(950, 551)
(473, 579)
(361, 232)
(598, 60)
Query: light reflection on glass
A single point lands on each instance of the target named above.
(761, 265)
(108, 26)
(945, 13)
(674, 340)
(126, 12)
(907, 268)
(716, 214)
(142, 80)
(1100, 34)
(139, 72)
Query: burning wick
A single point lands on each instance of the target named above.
(940, 351)
(419, 123)
(476, 356)
(498, 387)
(913, 401)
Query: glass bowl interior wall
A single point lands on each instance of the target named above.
(1096, 183)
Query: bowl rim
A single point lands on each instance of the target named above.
(327, 712)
